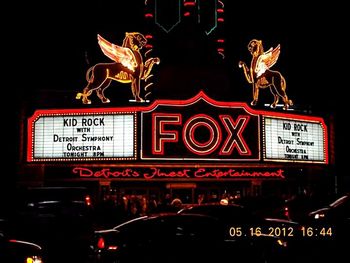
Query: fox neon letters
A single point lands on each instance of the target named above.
(224, 134)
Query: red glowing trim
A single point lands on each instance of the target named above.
(149, 15)
(149, 46)
(220, 10)
(220, 49)
(190, 3)
(220, 19)
(220, 40)
(148, 36)
(187, 14)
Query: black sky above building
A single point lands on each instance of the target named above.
(49, 47)
(55, 45)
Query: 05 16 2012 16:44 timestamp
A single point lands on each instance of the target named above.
(282, 231)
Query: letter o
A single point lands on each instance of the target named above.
(195, 146)
(69, 146)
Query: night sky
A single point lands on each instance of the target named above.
(49, 47)
(52, 46)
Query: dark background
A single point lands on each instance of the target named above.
(49, 46)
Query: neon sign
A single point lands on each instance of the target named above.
(200, 129)
(260, 75)
(234, 130)
(128, 67)
(82, 137)
(156, 173)
(294, 140)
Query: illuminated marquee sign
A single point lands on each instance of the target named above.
(200, 129)
(82, 137)
(197, 129)
(294, 140)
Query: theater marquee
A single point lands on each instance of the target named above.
(197, 129)
(82, 137)
(200, 129)
(288, 139)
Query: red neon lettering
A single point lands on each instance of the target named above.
(160, 134)
(189, 138)
(157, 173)
(106, 173)
(235, 138)
(83, 172)
(230, 173)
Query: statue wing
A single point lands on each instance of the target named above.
(117, 53)
(267, 60)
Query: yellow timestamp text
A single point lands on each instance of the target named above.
(309, 231)
(281, 231)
